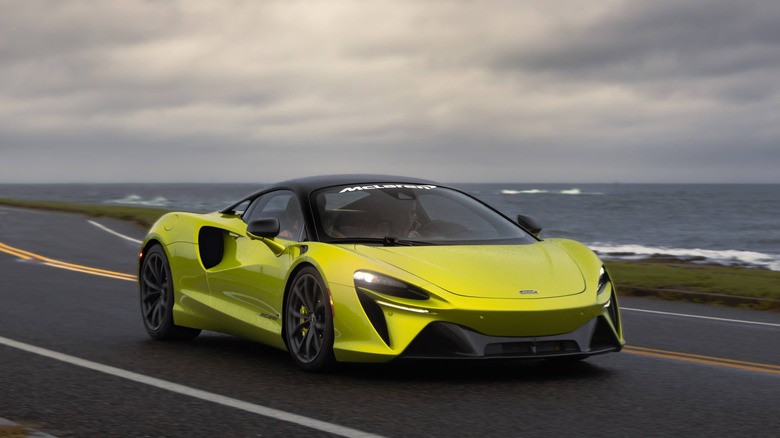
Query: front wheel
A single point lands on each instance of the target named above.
(308, 322)
(157, 299)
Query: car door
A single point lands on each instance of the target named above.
(247, 287)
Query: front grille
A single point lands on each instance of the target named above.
(530, 348)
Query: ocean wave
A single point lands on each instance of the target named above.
(730, 257)
(522, 192)
(574, 191)
(158, 201)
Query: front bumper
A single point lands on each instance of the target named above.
(443, 340)
(373, 328)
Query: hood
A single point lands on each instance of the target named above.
(488, 271)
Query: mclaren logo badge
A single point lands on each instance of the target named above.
(528, 292)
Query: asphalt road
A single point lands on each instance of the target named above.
(75, 361)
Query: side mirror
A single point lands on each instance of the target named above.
(530, 224)
(266, 229)
(263, 228)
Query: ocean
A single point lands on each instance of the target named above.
(730, 224)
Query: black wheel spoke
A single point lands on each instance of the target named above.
(317, 340)
(149, 284)
(297, 346)
(151, 296)
(299, 328)
(159, 315)
(308, 350)
(307, 299)
(151, 312)
(153, 268)
(150, 301)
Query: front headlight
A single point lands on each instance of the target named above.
(383, 284)
(603, 280)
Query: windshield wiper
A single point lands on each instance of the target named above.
(394, 241)
(384, 241)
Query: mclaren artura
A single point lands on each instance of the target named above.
(373, 269)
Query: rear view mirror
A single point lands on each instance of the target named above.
(266, 229)
(530, 224)
(263, 228)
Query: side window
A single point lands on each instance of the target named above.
(284, 206)
(240, 209)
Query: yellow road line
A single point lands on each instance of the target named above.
(14, 252)
(708, 360)
(116, 275)
(27, 255)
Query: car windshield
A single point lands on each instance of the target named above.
(407, 214)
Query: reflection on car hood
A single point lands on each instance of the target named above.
(489, 271)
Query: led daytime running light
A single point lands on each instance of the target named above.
(382, 284)
(396, 306)
(603, 280)
(372, 279)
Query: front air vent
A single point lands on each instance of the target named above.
(603, 336)
(376, 315)
(614, 314)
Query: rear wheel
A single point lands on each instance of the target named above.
(157, 299)
(308, 322)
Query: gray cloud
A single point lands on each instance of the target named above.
(457, 90)
(663, 39)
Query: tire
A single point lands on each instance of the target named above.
(308, 322)
(156, 287)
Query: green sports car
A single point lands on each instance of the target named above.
(367, 268)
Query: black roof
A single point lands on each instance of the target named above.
(304, 186)
(312, 183)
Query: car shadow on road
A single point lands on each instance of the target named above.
(476, 371)
(241, 356)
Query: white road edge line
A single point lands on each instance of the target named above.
(191, 392)
(109, 230)
(770, 324)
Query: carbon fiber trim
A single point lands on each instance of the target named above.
(442, 340)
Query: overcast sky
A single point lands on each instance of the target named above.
(459, 91)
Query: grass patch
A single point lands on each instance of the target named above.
(142, 216)
(714, 280)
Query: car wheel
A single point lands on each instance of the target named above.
(157, 299)
(308, 322)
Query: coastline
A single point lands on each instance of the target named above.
(665, 277)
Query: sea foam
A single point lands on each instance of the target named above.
(574, 191)
(730, 257)
(158, 201)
